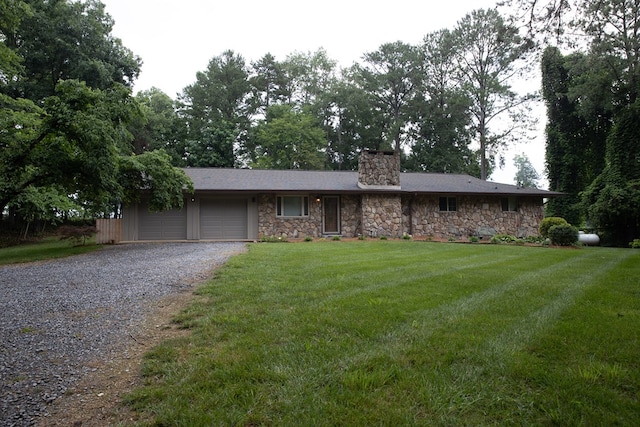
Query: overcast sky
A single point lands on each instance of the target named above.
(176, 39)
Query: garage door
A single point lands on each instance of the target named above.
(168, 225)
(223, 219)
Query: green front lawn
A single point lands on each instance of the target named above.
(48, 248)
(395, 333)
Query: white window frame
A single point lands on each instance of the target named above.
(281, 205)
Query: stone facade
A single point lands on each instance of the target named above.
(382, 215)
(379, 168)
(381, 209)
(392, 215)
(270, 225)
(480, 216)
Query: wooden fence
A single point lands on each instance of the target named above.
(109, 231)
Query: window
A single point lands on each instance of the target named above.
(448, 204)
(510, 204)
(292, 206)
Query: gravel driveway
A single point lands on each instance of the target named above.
(57, 316)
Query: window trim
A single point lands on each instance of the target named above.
(280, 206)
(450, 207)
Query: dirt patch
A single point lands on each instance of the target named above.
(96, 400)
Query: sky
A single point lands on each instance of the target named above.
(176, 39)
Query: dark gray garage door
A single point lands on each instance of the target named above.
(169, 225)
(223, 219)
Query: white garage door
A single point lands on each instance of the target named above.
(168, 225)
(223, 219)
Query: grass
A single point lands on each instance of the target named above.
(48, 248)
(399, 332)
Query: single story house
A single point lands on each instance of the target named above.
(377, 200)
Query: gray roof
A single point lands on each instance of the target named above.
(261, 180)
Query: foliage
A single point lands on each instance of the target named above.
(440, 113)
(577, 127)
(288, 140)
(215, 110)
(549, 222)
(635, 244)
(502, 238)
(77, 233)
(65, 108)
(563, 235)
(368, 333)
(526, 175)
(488, 50)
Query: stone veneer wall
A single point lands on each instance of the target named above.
(298, 228)
(271, 226)
(475, 216)
(350, 216)
(379, 168)
(382, 215)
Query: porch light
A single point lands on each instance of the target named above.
(318, 199)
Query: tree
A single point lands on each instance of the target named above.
(488, 54)
(158, 126)
(440, 113)
(603, 90)
(288, 140)
(526, 174)
(62, 40)
(76, 144)
(65, 104)
(269, 84)
(391, 76)
(576, 94)
(216, 112)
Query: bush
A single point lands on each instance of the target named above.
(563, 235)
(635, 244)
(78, 233)
(503, 238)
(549, 222)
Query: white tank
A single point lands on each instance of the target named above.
(589, 239)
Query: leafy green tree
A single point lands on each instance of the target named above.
(488, 53)
(65, 106)
(216, 111)
(309, 76)
(269, 84)
(391, 76)
(576, 94)
(355, 126)
(440, 113)
(158, 126)
(62, 40)
(526, 174)
(288, 140)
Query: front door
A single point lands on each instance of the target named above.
(331, 215)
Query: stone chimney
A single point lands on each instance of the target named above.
(379, 170)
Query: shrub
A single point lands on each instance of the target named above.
(474, 239)
(335, 238)
(503, 238)
(563, 235)
(78, 233)
(406, 236)
(273, 239)
(635, 244)
(308, 239)
(549, 222)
